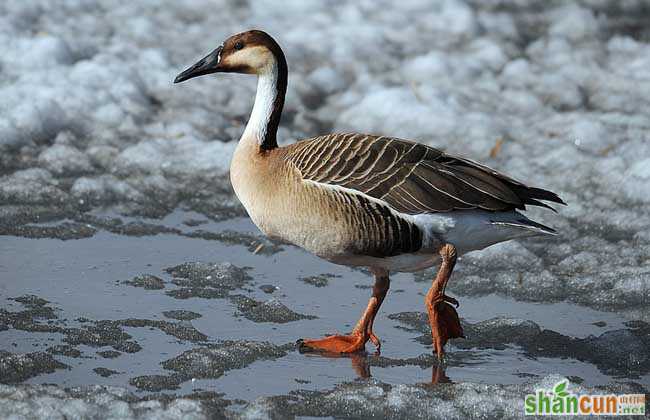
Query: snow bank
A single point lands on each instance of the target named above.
(373, 399)
(554, 94)
(362, 399)
(93, 402)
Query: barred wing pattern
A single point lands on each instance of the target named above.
(410, 177)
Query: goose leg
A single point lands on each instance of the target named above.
(443, 318)
(362, 332)
(379, 291)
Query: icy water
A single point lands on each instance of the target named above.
(83, 281)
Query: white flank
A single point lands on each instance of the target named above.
(471, 230)
(467, 230)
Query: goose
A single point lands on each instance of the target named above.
(361, 200)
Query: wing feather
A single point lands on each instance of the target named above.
(410, 177)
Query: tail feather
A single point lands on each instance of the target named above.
(535, 196)
(546, 195)
(534, 202)
(526, 223)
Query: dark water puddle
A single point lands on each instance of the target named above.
(91, 281)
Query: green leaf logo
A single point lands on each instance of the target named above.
(560, 389)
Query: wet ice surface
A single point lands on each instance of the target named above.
(153, 340)
(553, 93)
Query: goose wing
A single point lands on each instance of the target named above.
(410, 177)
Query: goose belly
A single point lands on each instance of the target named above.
(291, 217)
(344, 228)
(404, 263)
(321, 234)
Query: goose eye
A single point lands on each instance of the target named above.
(239, 45)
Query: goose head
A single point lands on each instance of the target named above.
(250, 52)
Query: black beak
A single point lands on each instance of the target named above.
(207, 65)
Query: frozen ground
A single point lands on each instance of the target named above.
(113, 182)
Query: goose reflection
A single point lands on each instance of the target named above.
(361, 363)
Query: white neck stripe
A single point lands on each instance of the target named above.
(263, 108)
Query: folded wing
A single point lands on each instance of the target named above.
(410, 177)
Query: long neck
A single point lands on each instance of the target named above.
(263, 124)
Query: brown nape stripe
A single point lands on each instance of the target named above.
(253, 38)
(270, 139)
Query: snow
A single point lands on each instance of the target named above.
(172, 157)
(573, 23)
(637, 182)
(62, 160)
(30, 186)
(326, 79)
(92, 402)
(376, 400)
(89, 113)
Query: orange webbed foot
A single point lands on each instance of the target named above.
(445, 324)
(334, 344)
(443, 318)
